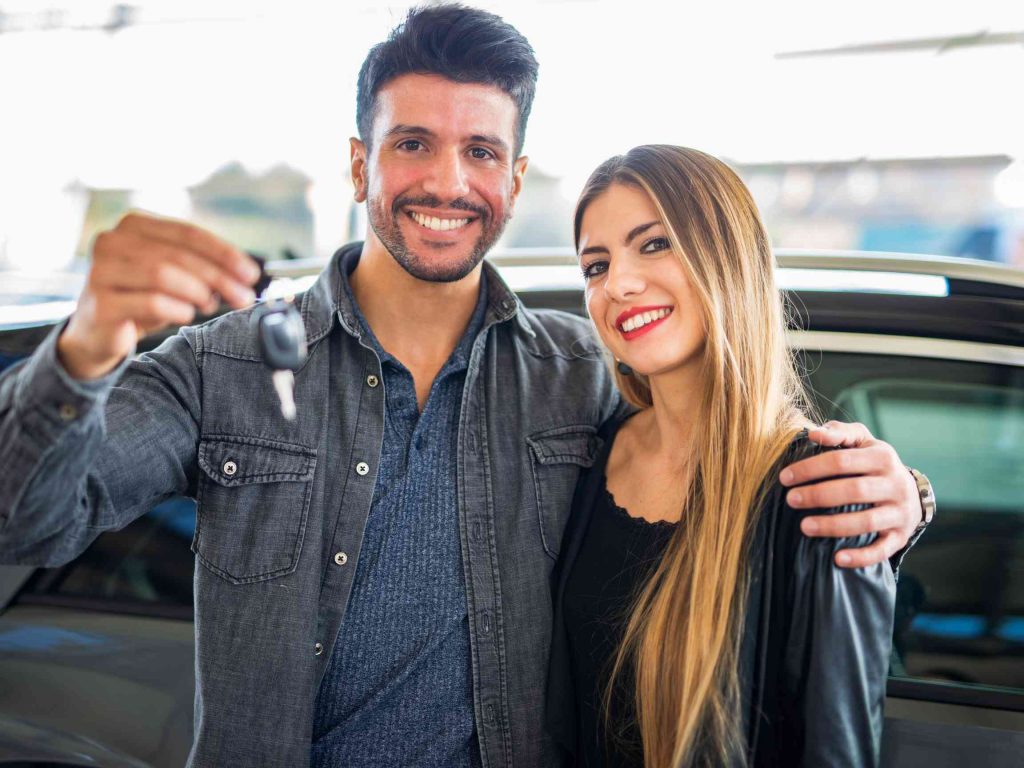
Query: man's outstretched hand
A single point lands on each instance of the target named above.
(866, 471)
(148, 273)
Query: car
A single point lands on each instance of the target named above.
(96, 657)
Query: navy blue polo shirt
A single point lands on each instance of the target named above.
(398, 687)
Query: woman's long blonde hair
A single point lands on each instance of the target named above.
(682, 637)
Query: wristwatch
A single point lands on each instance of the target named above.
(924, 490)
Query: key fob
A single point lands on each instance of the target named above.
(282, 336)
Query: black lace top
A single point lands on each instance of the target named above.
(616, 556)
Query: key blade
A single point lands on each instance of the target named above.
(284, 383)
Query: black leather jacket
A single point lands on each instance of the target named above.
(815, 646)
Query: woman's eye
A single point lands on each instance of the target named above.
(411, 144)
(654, 245)
(594, 268)
(479, 153)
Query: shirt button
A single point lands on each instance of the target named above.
(318, 649)
(229, 468)
(489, 714)
(362, 468)
(341, 558)
(68, 412)
(372, 381)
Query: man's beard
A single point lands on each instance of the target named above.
(385, 225)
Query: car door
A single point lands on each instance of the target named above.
(96, 657)
(955, 410)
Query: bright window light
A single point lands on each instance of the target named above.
(841, 280)
(559, 277)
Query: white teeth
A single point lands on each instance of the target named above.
(436, 224)
(638, 321)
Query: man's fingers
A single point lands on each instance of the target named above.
(146, 309)
(160, 276)
(881, 549)
(849, 524)
(835, 433)
(863, 489)
(128, 261)
(196, 239)
(871, 459)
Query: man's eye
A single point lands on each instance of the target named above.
(594, 268)
(411, 144)
(479, 153)
(655, 244)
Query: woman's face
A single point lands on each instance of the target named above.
(637, 292)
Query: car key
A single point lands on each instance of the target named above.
(282, 338)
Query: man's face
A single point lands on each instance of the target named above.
(440, 179)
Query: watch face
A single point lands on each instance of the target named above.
(924, 489)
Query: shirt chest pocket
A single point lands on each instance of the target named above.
(253, 503)
(556, 458)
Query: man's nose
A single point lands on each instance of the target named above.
(623, 281)
(447, 178)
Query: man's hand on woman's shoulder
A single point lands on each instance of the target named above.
(867, 471)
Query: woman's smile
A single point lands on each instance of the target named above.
(637, 321)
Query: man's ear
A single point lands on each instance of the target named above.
(357, 156)
(518, 172)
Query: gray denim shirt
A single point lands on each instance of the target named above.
(282, 505)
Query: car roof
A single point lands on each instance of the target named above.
(828, 291)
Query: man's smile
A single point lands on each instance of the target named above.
(443, 223)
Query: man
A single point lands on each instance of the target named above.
(372, 585)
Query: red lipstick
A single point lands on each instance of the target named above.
(636, 332)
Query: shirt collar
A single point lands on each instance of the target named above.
(330, 297)
(460, 356)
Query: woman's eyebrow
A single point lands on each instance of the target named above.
(634, 232)
(639, 230)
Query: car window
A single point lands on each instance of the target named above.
(960, 599)
(143, 568)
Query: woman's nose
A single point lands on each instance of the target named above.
(623, 281)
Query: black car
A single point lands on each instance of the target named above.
(96, 664)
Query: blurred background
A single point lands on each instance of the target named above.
(878, 125)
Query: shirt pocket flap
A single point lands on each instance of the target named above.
(565, 445)
(558, 457)
(234, 461)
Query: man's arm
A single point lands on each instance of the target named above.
(868, 471)
(89, 441)
(80, 458)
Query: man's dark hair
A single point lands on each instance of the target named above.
(466, 45)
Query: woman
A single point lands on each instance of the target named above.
(694, 624)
